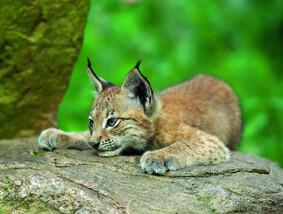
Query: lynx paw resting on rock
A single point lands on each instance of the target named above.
(49, 138)
(201, 149)
(52, 138)
(158, 162)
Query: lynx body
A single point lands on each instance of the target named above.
(192, 123)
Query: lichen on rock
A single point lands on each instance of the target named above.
(71, 181)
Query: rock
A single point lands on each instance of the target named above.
(71, 181)
(39, 45)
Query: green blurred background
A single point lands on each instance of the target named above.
(238, 41)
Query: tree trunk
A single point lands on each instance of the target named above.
(39, 44)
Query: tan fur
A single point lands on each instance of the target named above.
(188, 124)
(204, 103)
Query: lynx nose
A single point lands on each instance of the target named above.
(94, 144)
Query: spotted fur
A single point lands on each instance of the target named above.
(192, 123)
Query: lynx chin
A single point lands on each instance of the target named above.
(192, 123)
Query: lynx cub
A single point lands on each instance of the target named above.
(188, 124)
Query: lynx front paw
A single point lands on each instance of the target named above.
(158, 162)
(48, 139)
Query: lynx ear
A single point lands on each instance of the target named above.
(99, 83)
(139, 88)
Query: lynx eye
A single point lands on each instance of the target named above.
(111, 122)
(90, 124)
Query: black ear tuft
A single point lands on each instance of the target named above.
(139, 88)
(90, 68)
(99, 83)
(88, 63)
(138, 64)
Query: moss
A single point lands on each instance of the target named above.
(3, 208)
(35, 153)
(25, 206)
(207, 199)
(131, 164)
(61, 154)
(11, 202)
(6, 180)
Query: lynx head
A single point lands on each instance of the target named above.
(121, 119)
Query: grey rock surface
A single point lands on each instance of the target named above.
(70, 181)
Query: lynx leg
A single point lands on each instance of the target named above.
(52, 138)
(201, 149)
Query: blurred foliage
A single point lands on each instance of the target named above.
(238, 41)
